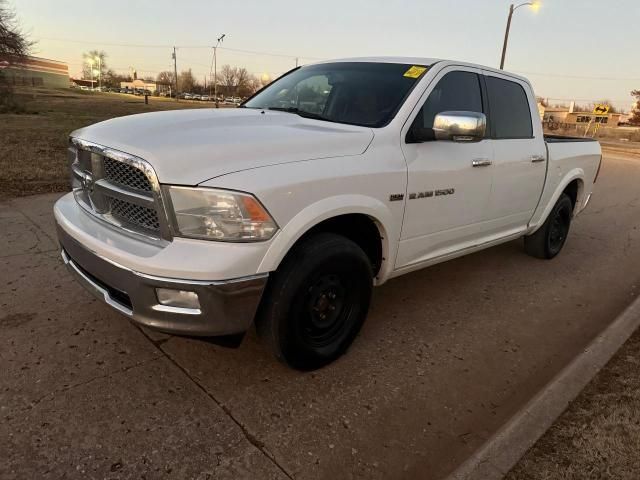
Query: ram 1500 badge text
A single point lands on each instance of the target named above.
(334, 178)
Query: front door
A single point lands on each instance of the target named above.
(446, 195)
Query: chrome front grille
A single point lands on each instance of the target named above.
(142, 217)
(118, 188)
(125, 175)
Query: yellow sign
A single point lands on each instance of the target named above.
(415, 71)
(601, 109)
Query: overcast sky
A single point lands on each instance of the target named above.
(570, 49)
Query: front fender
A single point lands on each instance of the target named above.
(325, 209)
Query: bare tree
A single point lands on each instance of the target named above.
(228, 77)
(13, 41)
(95, 60)
(186, 81)
(14, 45)
(237, 80)
(251, 86)
(635, 112)
(165, 78)
(113, 79)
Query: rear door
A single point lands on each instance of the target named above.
(519, 164)
(446, 195)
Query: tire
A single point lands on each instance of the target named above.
(316, 301)
(549, 239)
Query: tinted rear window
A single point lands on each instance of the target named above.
(510, 115)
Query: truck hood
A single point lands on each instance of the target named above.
(188, 147)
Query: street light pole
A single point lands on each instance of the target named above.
(99, 73)
(512, 9)
(215, 68)
(90, 61)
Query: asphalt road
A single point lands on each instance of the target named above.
(447, 355)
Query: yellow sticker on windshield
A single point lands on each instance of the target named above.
(415, 71)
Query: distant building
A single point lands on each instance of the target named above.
(568, 117)
(555, 114)
(36, 72)
(140, 85)
(610, 119)
(81, 82)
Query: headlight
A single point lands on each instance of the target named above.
(219, 215)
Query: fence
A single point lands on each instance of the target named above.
(594, 130)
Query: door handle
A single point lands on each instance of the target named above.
(481, 162)
(537, 158)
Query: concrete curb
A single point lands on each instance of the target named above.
(502, 451)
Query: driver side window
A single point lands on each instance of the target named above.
(309, 95)
(455, 91)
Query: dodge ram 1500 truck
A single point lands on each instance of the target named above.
(334, 178)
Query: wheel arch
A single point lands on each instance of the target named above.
(356, 217)
(572, 184)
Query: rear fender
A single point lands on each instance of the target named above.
(543, 211)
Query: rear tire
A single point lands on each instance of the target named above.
(316, 301)
(549, 239)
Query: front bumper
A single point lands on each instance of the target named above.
(226, 307)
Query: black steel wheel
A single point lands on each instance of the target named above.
(316, 301)
(549, 239)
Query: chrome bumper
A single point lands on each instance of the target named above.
(226, 307)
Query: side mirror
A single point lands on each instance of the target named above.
(460, 126)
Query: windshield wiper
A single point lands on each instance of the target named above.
(302, 113)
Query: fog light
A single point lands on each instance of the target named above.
(178, 298)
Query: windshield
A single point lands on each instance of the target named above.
(356, 93)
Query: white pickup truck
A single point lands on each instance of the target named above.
(336, 177)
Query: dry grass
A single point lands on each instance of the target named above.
(598, 436)
(33, 145)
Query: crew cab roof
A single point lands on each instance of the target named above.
(422, 61)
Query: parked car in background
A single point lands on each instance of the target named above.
(206, 221)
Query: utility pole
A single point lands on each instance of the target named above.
(296, 62)
(215, 68)
(175, 72)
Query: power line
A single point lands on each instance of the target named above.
(148, 45)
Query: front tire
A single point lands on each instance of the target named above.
(316, 301)
(549, 239)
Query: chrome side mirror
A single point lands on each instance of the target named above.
(460, 126)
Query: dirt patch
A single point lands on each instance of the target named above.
(599, 434)
(16, 319)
